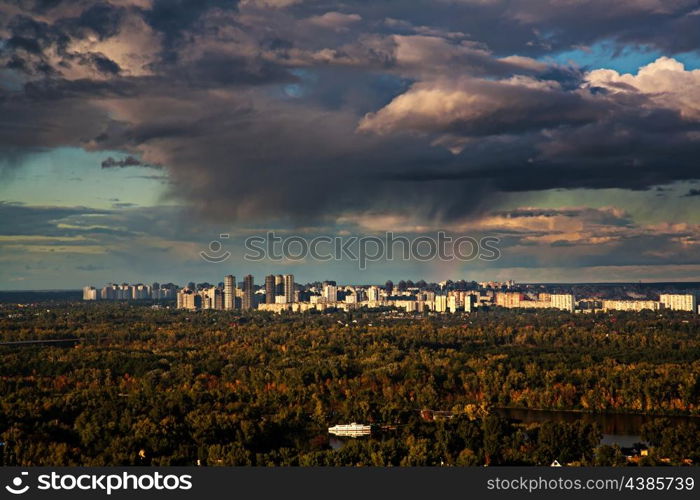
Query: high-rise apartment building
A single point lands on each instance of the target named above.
(212, 298)
(108, 293)
(563, 301)
(189, 299)
(219, 299)
(229, 292)
(248, 301)
(330, 293)
(270, 290)
(279, 285)
(89, 293)
(441, 303)
(140, 291)
(468, 302)
(509, 299)
(453, 303)
(289, 295)
(207, 296)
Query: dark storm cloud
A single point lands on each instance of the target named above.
(127, 161)
(212, 69)
(590, 214)
(536, 27)
(19, 219)
(30, 123)
(321, 109)
(104, 64)
(175, 17)
(42, 48)
(102, 18)
(123, 220)
(646, 22)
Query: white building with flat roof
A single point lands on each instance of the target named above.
(679, 302)
(631, 305)
(89, 293)
(563, 301)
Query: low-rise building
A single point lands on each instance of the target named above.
(631, 305)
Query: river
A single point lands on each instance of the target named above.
(621, 428)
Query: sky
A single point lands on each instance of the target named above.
(134, 133)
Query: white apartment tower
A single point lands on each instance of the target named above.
(678, 302)
(441, 303)
(89, 293)
(563, 301)
(229, 292)
(330, 293)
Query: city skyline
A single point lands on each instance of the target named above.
(138, 132)
(281, 293)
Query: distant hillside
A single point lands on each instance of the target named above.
(28, 296)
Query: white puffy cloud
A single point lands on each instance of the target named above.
(427, 55)
(334, 20)
(456, 109)
(665, 81)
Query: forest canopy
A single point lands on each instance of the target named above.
(141, 385)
